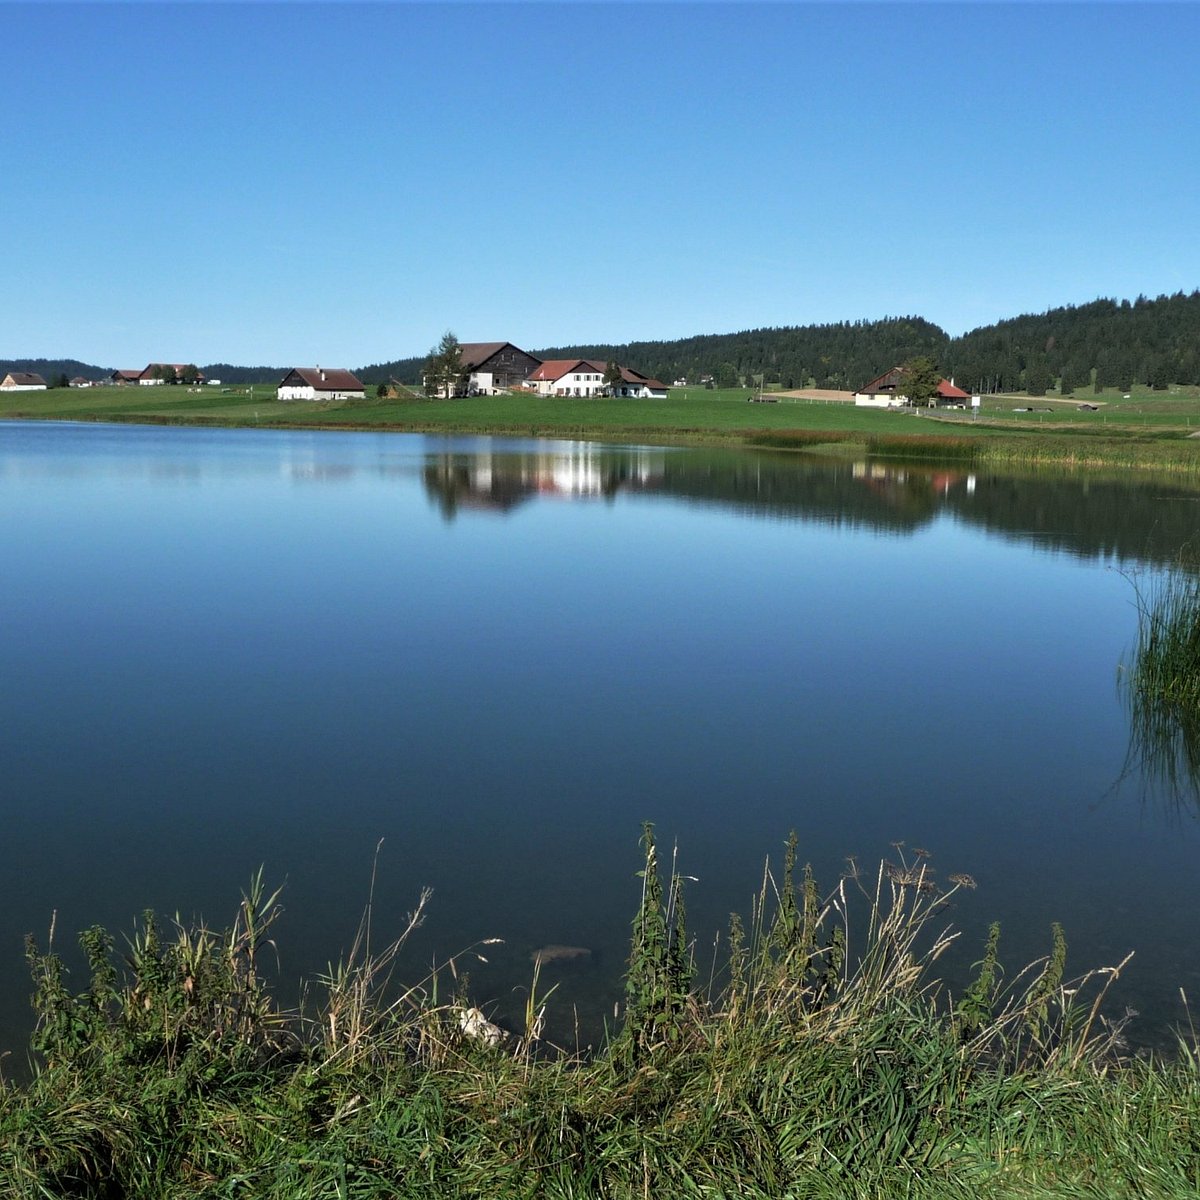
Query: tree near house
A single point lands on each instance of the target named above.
(725, 375)
(165, 372)
(443, 367)
(921, 379)
(612, 377)
(190, 374)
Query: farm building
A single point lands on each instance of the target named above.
(634, 383)
(318, 383)
(124, 378)
(493, 367)
(887, 391)
(585, 377)
(23, 381)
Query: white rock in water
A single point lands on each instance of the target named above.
(478, 1028)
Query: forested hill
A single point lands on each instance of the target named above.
(1105, 343)
(1115, 342)
(1154, 342)
(844, 355)
(53, 370)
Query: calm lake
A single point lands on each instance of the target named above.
(221, 649)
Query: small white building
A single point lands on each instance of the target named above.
(641, 387)
(23, 381)
(317, 383)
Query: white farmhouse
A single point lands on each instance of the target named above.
(585, 377)
(492, 368)
(317, 383)
(887, 391)
(568, 377)
(23, 381)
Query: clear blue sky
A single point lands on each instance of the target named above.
(341, 183)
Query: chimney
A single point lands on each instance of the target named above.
(320, 372)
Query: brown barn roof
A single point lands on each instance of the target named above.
(475, 354)
(893, 381)
(25, 379)
(331, 379)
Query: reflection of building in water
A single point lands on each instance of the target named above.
(912, 489)
(502, 481)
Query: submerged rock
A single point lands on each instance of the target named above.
(560, 954)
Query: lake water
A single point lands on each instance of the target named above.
(221, 649)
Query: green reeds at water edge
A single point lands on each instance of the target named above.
(1162, 681)
(820, 1058)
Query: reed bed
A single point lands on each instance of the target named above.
(1161, 682)
(820, 1058)
(941, 448)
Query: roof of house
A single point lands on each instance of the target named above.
(178, 368)
(948, 391)
(556, 368)
(126, 375)
(886, 382)
(475, 354)
(893, 381)
(629, 375)
(25, 379)
(329, 379)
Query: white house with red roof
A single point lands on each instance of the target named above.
(568, 377)
(887, 391)
(585, 377)
(319, 383)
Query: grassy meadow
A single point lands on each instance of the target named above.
(1149, 429)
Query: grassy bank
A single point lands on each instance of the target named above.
(1143, 432)
(821, 1058)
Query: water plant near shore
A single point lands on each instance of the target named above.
(813, 1063)
(1161, 682)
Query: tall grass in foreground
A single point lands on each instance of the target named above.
(1162, 682)
(821, 1058)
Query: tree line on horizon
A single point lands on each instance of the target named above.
(1105, 343)
(1101, 344)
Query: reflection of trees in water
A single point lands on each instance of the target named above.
(1128, 519)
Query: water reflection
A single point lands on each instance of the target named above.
(1163, 754)
(1124, 519)
(498, 482)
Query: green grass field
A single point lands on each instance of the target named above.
(1148, 429)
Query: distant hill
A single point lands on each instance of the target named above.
(228, 373)
(1104, 343)
(53, 369)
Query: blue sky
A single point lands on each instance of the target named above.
(341, 183)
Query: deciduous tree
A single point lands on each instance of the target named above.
(920, 382)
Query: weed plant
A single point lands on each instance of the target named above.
(820, 1058)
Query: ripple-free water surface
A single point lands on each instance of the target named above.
(221, 649)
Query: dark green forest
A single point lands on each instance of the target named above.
(1105, 343)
